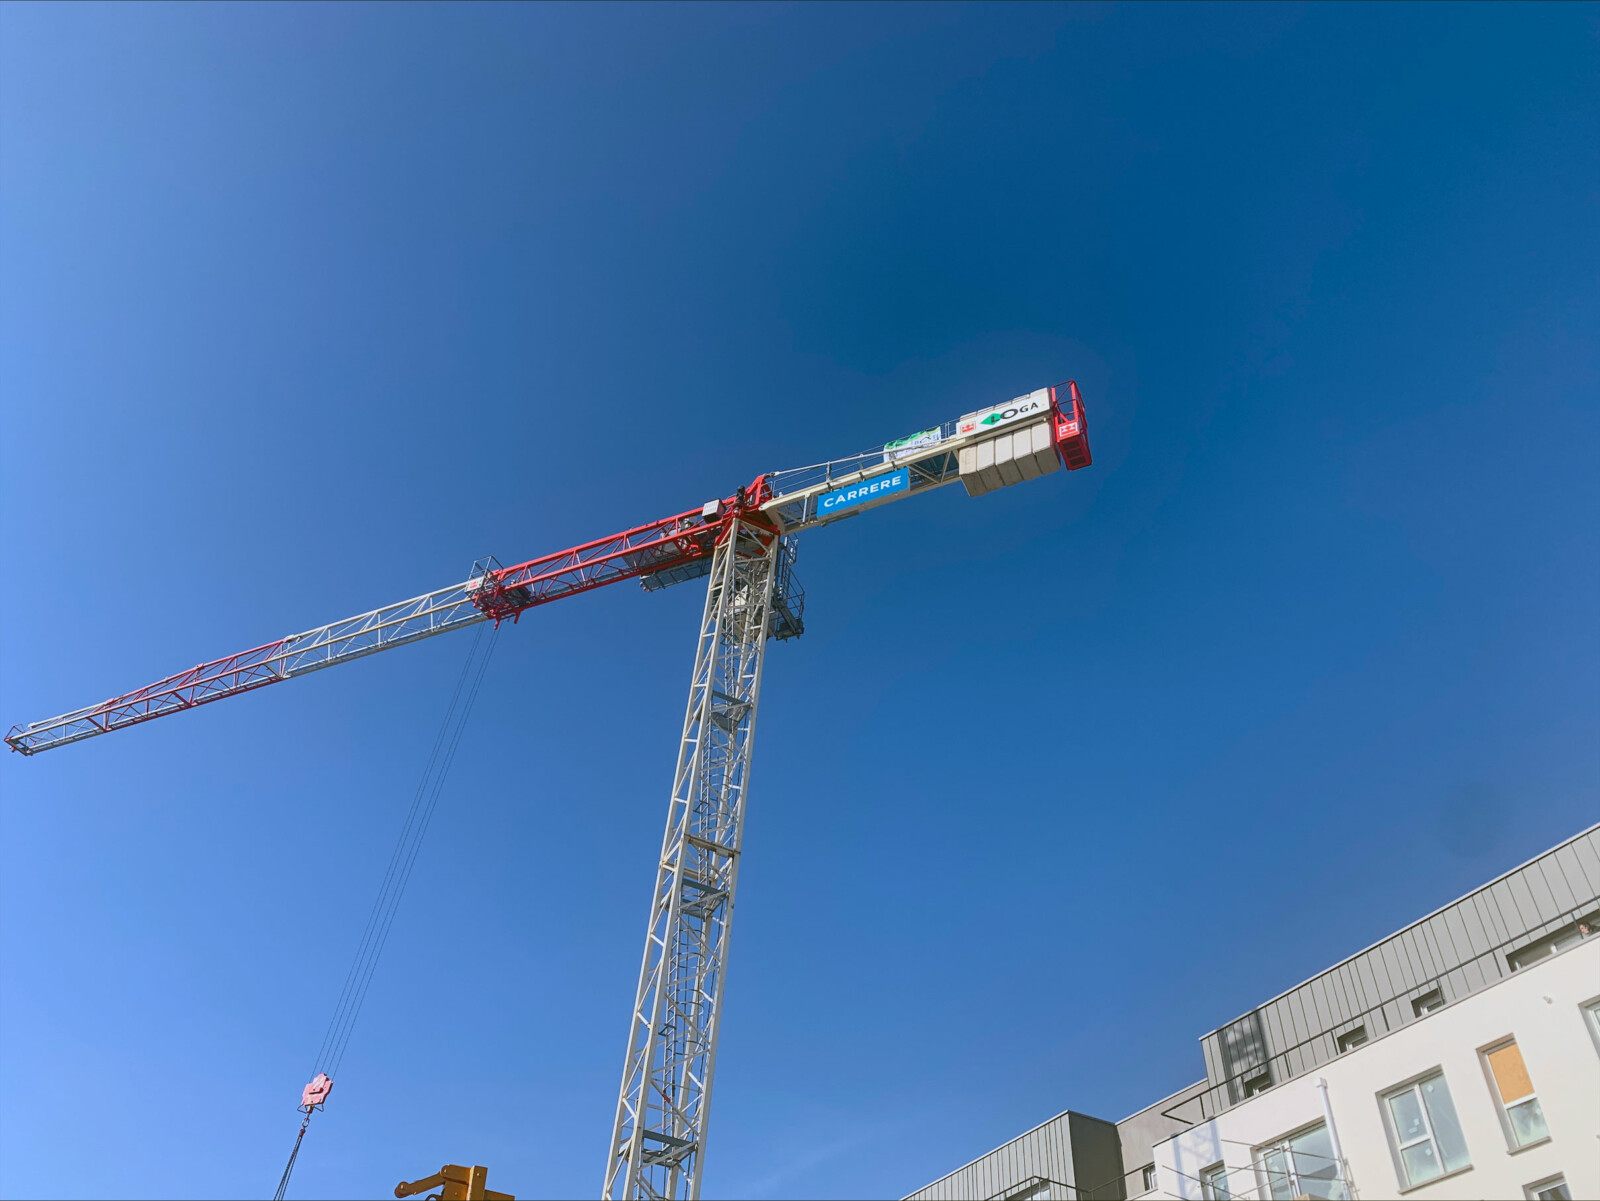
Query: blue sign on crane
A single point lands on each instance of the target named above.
(855, 494)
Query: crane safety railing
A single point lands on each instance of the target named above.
(901, 450)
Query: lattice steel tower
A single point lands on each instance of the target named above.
(658, 1138)
(743, 544)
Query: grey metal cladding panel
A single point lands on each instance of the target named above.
(1368, 980)
(1330, 1004)
(1044, 1151)
(1338, 999)
(1212, 1054)
(1424, 952)
(1319, 1012)
(1283, 1021)
(1350, 995)
(1489, 914)
(1544, 895)
(1431, 959)
(1478, 927)
(1362, 984)
(1586, 854)
(1512, 907)
(1379, 966)
(1580, 873)
(1472, 977)
(1442, 938)
(1324, 1004)
(1454, 921)
(1528, 912)
(1395, 964)
(1368, 969)
(1561, 875)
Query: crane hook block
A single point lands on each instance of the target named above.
(316, 1092)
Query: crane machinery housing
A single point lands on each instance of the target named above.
(743, 545)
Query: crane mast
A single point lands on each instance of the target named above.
(658, 1136)
(744, 545)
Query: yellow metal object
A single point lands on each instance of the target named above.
(455, 1183)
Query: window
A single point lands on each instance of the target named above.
(1553, 1188)
(1149, 1177)
(1563, 938)
(1214, 1183)
(1351, 1039)
(1427, 1002)
(1257, 1084)
(1301, 1165)
(1519, 1107)
(1036, 1188)
(1427, 1137)
(1591, 1017)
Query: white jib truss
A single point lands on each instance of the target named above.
(658, 1140)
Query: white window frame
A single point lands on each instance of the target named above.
(1281, 1144)
(1591, 1020)
(1209, 1178)
(1503, 1106)
(1427, 1002)
(1148, 1177)
(1352, 1038)
(1532, 1191)
(1396, 1147)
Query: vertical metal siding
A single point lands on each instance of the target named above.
(1043, 1151)
(1448, 950)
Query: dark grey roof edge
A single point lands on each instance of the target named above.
(1016, 1139)
(1410, 925)
(1201, 1083)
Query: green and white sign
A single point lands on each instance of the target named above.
(1034, 405)
(905, 448)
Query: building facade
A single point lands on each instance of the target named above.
(1460, 1057)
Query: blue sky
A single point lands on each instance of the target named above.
(303, 308)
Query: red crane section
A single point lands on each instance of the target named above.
(491, 593)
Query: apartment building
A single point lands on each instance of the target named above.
(1457, 1058)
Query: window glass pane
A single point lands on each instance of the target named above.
(1446, 1130)
(1407, 1113)
(1278, 1183)
(1314, 1166)
(1214, 1184)
(1527, 1122)
(1510, 1073)
(1556, 1192)
(1421, 1163)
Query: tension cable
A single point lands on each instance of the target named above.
(401, 863)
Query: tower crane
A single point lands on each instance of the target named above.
(743, 545)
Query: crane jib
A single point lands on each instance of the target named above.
(742, 546)
(987, 449)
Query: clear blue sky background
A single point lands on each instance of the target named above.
(304, 307)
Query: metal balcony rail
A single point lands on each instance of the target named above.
(1487, 967)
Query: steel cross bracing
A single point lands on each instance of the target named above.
(658, 1139)
(741, 542)
(492, 591)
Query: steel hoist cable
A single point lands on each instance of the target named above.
(402, 861)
